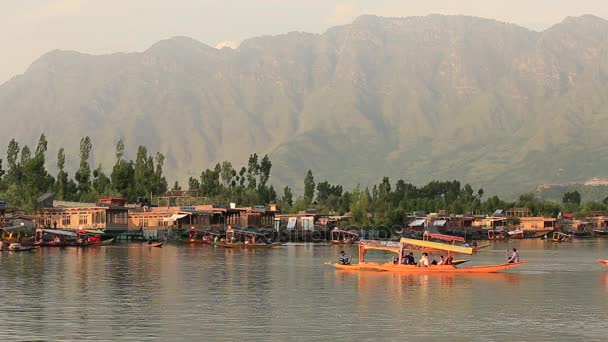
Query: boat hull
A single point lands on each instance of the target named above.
(22, 249)
(600, 232)
(62, 245)
(105, 242)
(412, 269)
(248, 246)
(603, 262)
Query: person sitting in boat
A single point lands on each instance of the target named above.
(448, 260)
(474, 243)
(149, 241)
(441, 261)
(514, 258)
(192, 233)
(411, 260)
(424, 260)
(344, 260)
(434, 262)
(1, 244)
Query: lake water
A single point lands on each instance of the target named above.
(195, 293)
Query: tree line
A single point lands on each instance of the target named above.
(26, 178)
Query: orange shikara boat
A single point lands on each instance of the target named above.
(410, 244)
(390, 267)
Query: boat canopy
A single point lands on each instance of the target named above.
(516, 232)
(174, 217)
(348, 232)
(417, 223)
(93, 232)
(14, 228)
(421, 245)
(59, 232)
(443, 237)
(388, 246)
(440, 223)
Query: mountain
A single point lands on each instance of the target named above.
(418, 98)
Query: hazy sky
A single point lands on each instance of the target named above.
(29, 28)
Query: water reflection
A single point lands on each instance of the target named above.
(127, 292)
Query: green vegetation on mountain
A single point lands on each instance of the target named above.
(422, 98)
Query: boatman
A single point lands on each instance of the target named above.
(514, 257)
(344, 260)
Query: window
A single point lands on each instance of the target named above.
(66, 220)
(83, 219)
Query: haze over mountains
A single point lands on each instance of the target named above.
(420, 98)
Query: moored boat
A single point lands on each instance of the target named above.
(561, 237)
(516, 234)
(200, 237)
(343, 237)
(600, 232)
(154, 244)
(496, 235)
(247, 239)
(61, 238)
(15, 247)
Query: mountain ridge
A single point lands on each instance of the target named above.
(416, 98)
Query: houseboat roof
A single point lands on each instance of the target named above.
(243, 231)
(419, 222)
(349, 232)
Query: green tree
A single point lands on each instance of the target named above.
(61, 187)
(160, 182)
(101, 183)
(83, 175)
(176, 186)
(573, 197)
(309, 188)
(123, 173)
(287, 199)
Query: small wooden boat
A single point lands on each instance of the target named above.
(495, 235)
(600, 232)
(246, 239)
(343, 237)
(561, 237)
(603, 262)
(516, 234)
(199, 237)
(61, 238)
(156, 244)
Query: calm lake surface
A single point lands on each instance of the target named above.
(195, 293)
